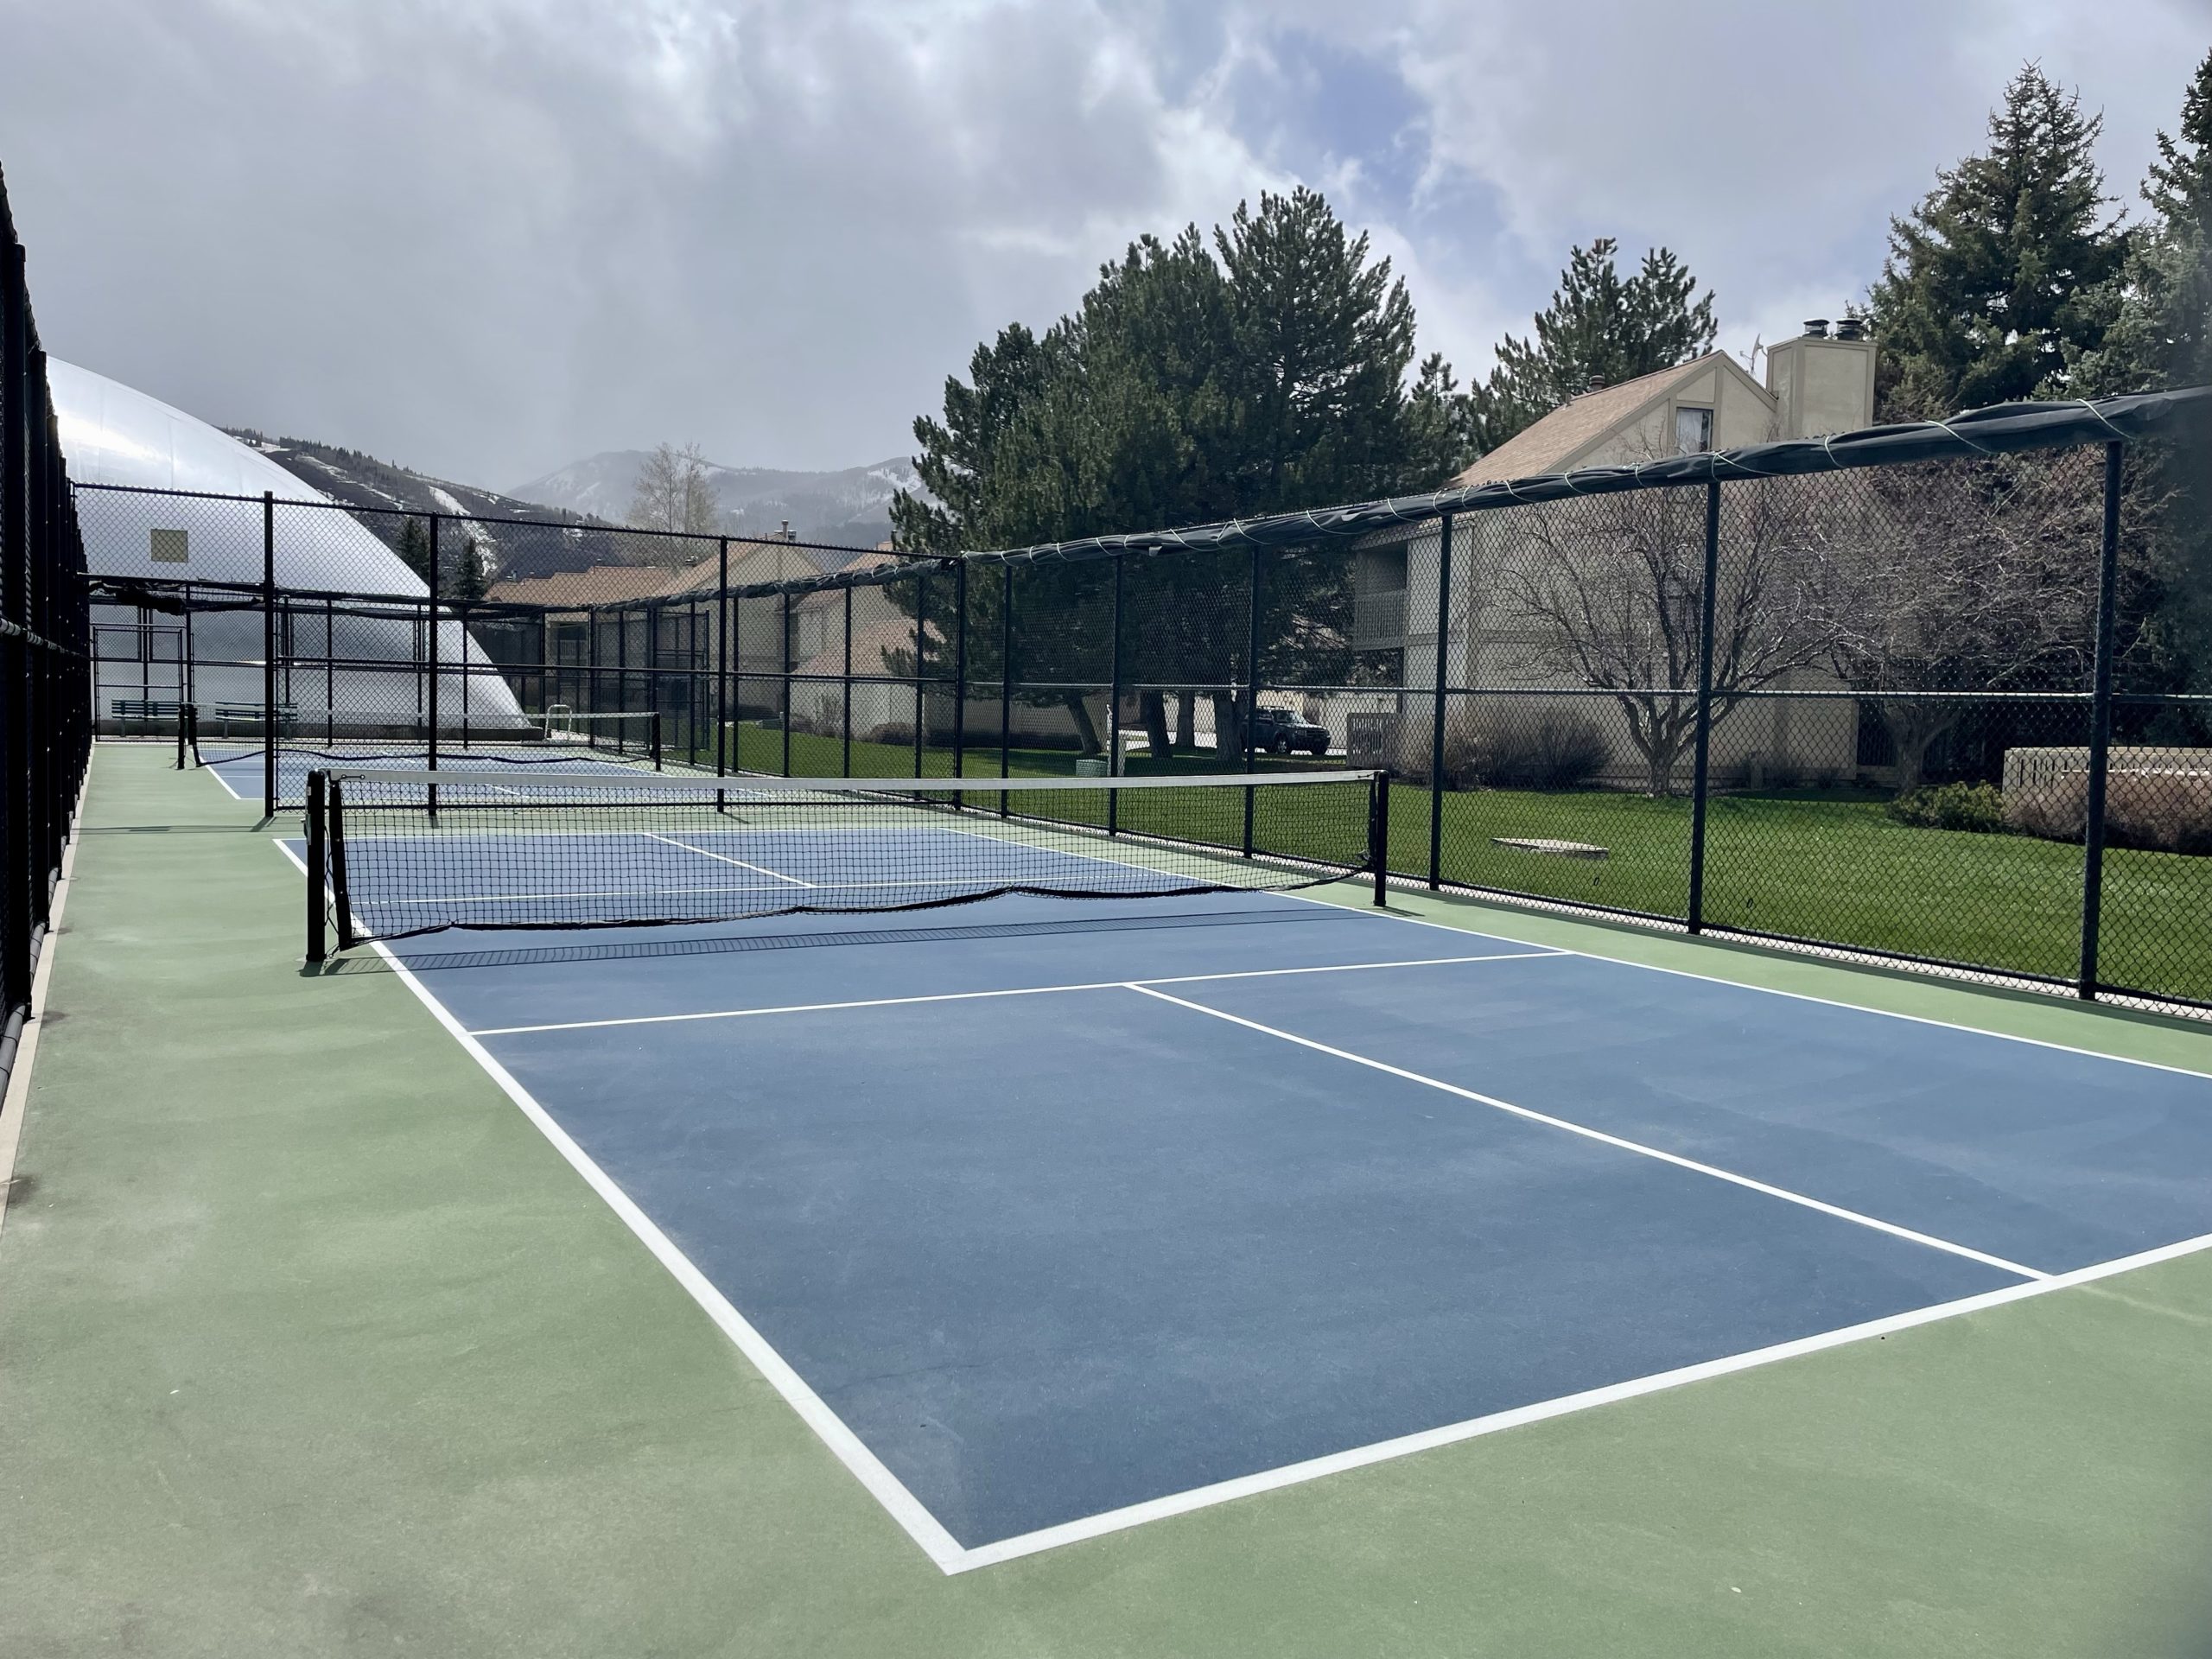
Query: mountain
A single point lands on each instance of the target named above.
(362, 480)
(851, 508)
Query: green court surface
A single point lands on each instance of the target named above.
(311, 1342)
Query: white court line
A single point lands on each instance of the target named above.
(757, 869)
(950, 1557)
(1765, 990)
(1599, 1135)
(881, 1484)
(1268, 1480)
(1023, 990)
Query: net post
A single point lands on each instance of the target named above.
(721, 660)
(655, 742)
(268, 653)
(318, 870)
(1700, 781)
(334, 829)
(1113, 711)
(1437, 712)
(1378, 837)
(2092, 834)
(187, 744)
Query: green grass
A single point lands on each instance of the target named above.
(1831, 866)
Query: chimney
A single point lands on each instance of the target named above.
(1822, 383)
(787, 532)
(1597, 384)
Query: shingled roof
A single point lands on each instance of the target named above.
(1556, 442)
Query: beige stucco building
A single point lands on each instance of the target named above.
(1507, 572)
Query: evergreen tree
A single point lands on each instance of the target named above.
(2160, 334)
(1263, 372)
(1992, 282)
(1600, 326)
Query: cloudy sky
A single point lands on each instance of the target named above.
(484, 238)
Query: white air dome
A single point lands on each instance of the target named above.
(112, 435)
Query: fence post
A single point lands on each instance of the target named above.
(1114, 704)
(431, 703)
(1006, 679)
(921, 645)
(1252, 695)
(959, 674)
(329, 670)
(845, 688)
(1436, 713)
(784, 669)
(2093, 839)
(1704, 750)
(268, 653)
(722, 658)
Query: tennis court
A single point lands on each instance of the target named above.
(1051, 1219)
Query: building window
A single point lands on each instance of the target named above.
(1692, 431)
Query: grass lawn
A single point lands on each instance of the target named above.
(1820, 865)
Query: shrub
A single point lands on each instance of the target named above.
(891, 731)
(1558, 751)
(2164, 811)
(1977, 807)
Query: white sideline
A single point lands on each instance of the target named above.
(950, 1557)
(903, 1506)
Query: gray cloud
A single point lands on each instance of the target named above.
(486, 237)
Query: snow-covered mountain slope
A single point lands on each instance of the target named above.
(851, 507)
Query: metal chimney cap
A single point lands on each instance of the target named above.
(1816, 328)
(1851, 328)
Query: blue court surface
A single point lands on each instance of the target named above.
(1052, 1218)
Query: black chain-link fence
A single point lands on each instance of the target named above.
(46, 644)
(1892, 701)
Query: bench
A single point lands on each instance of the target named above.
(127, 709)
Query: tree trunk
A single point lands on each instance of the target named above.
(1187, 721)
(1229, 730)
(1914, 728)
(1153, 708)
(1086, 729)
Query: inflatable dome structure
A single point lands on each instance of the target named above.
(332, 682)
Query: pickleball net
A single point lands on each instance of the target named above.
(396, 853)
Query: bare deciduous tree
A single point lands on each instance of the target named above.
(1955, 577)
(1608, 594)
(674, 492)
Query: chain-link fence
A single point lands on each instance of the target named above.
(1890, 694)
(46, 644)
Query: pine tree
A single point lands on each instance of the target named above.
(2160, 334)
(1259, 371)
(1600, 326)
(1992, 282)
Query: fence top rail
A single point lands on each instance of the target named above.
(2003, 428)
